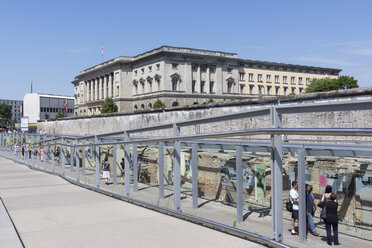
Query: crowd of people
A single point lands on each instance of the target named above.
(328, 213)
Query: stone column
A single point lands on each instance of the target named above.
(207, 80)
(113, 85)
(105, 86)
(96, 88)
(198, 80)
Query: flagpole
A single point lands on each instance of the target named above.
(102, 51)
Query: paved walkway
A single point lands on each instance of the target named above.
(49, 212)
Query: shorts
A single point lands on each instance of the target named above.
(122, 174)
(295, 214)
(106, 174)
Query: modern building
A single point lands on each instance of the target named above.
(186, 76)
(45, 106)
(16, 106)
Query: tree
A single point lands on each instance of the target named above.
(60, 114)
(328, 84)
(210, 100)
(5, 112)
(159, 104)
(109, 106)
(14, 121)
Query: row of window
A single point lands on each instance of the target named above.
(11, 102)
(276, 68)
(149, 69)
(276, 78)
(269, 90)
(54, 110)
(202, 87)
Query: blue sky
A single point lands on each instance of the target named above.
(50, 42)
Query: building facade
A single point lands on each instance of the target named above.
(45, 106)
(186, 76)
(16, 106)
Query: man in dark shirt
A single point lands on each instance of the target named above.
(310, 206)
(122, 168)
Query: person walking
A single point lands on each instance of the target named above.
(106, 171)
(331, 220)
(293, 196)
(310, 210)
(23, 152)
(122, 169)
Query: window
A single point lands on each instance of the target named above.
(285, 69)
(277, 68)
(203, 68)
(292, 69)
(268, 90)
(259, 77)
(293, 90)
(277, 79)
(284, 79)
(285, 90)
(157, 66)
(300, 80)
(260, 90)
(251, 88)
(229, 87)
(174, 84)
(212, 69)
(143, 70)
(307, 81)
(300, 90)
(136, 89)
(242, 88)
(41, 110)
(135, 72)
(292, 80)
(229, 70)
(174, 66)
(277, 88)
(150, 85)
(250, 77)
(268, 78)
(241, 76)
(194, 67)
(202, 83)
(211, 87)
(150, 68)
(259, 67)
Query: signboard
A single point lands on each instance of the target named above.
(24, 124)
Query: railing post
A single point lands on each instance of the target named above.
(37, 151)
(194, 171)
(33, 151)
(114, 165)
(161, 170)
(135, 168)
(302, 193)
(45, 153)
(71, 156)
(177, 169)
(97, 163)
(239, 185)
(127, 165)
(62, 156)
(52, 149)
(77, 149)
(277, 181)
(83, 157)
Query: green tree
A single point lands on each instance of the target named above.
(14, 121)
(5, 112)
(109, 106)
(210, 100)
(328, 84)
(159, 104)
(60, 114)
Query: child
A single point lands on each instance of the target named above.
(332, 219)
(122, 168)
(106, 171)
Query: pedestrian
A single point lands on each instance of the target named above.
(106, 171)
(310, 209)
(122, 169)
(23, 152)
(41, 151)
(331, 220)
(327, 193)
(293, 196)
(29, 152)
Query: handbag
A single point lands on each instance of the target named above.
(289, 205)
(323, 213)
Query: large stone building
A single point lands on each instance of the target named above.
(186, 76)
(16, 106)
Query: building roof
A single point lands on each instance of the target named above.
(53, 96)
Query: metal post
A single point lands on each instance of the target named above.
(135, 168)
(302, 193)
(71, 156)
(83, 158)
(33, 152)
(239, 185)
(194, 171)
(45, 154)
(127, 166)
(276, 121)
(97, 164)
(77, 162)
(62, 156)
(37, 152)
(177, 169)
(114, 165)
(52, 148)
(17, 139)
(161, 170)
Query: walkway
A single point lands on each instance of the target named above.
(50, 212)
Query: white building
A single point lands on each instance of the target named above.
(43, 106)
